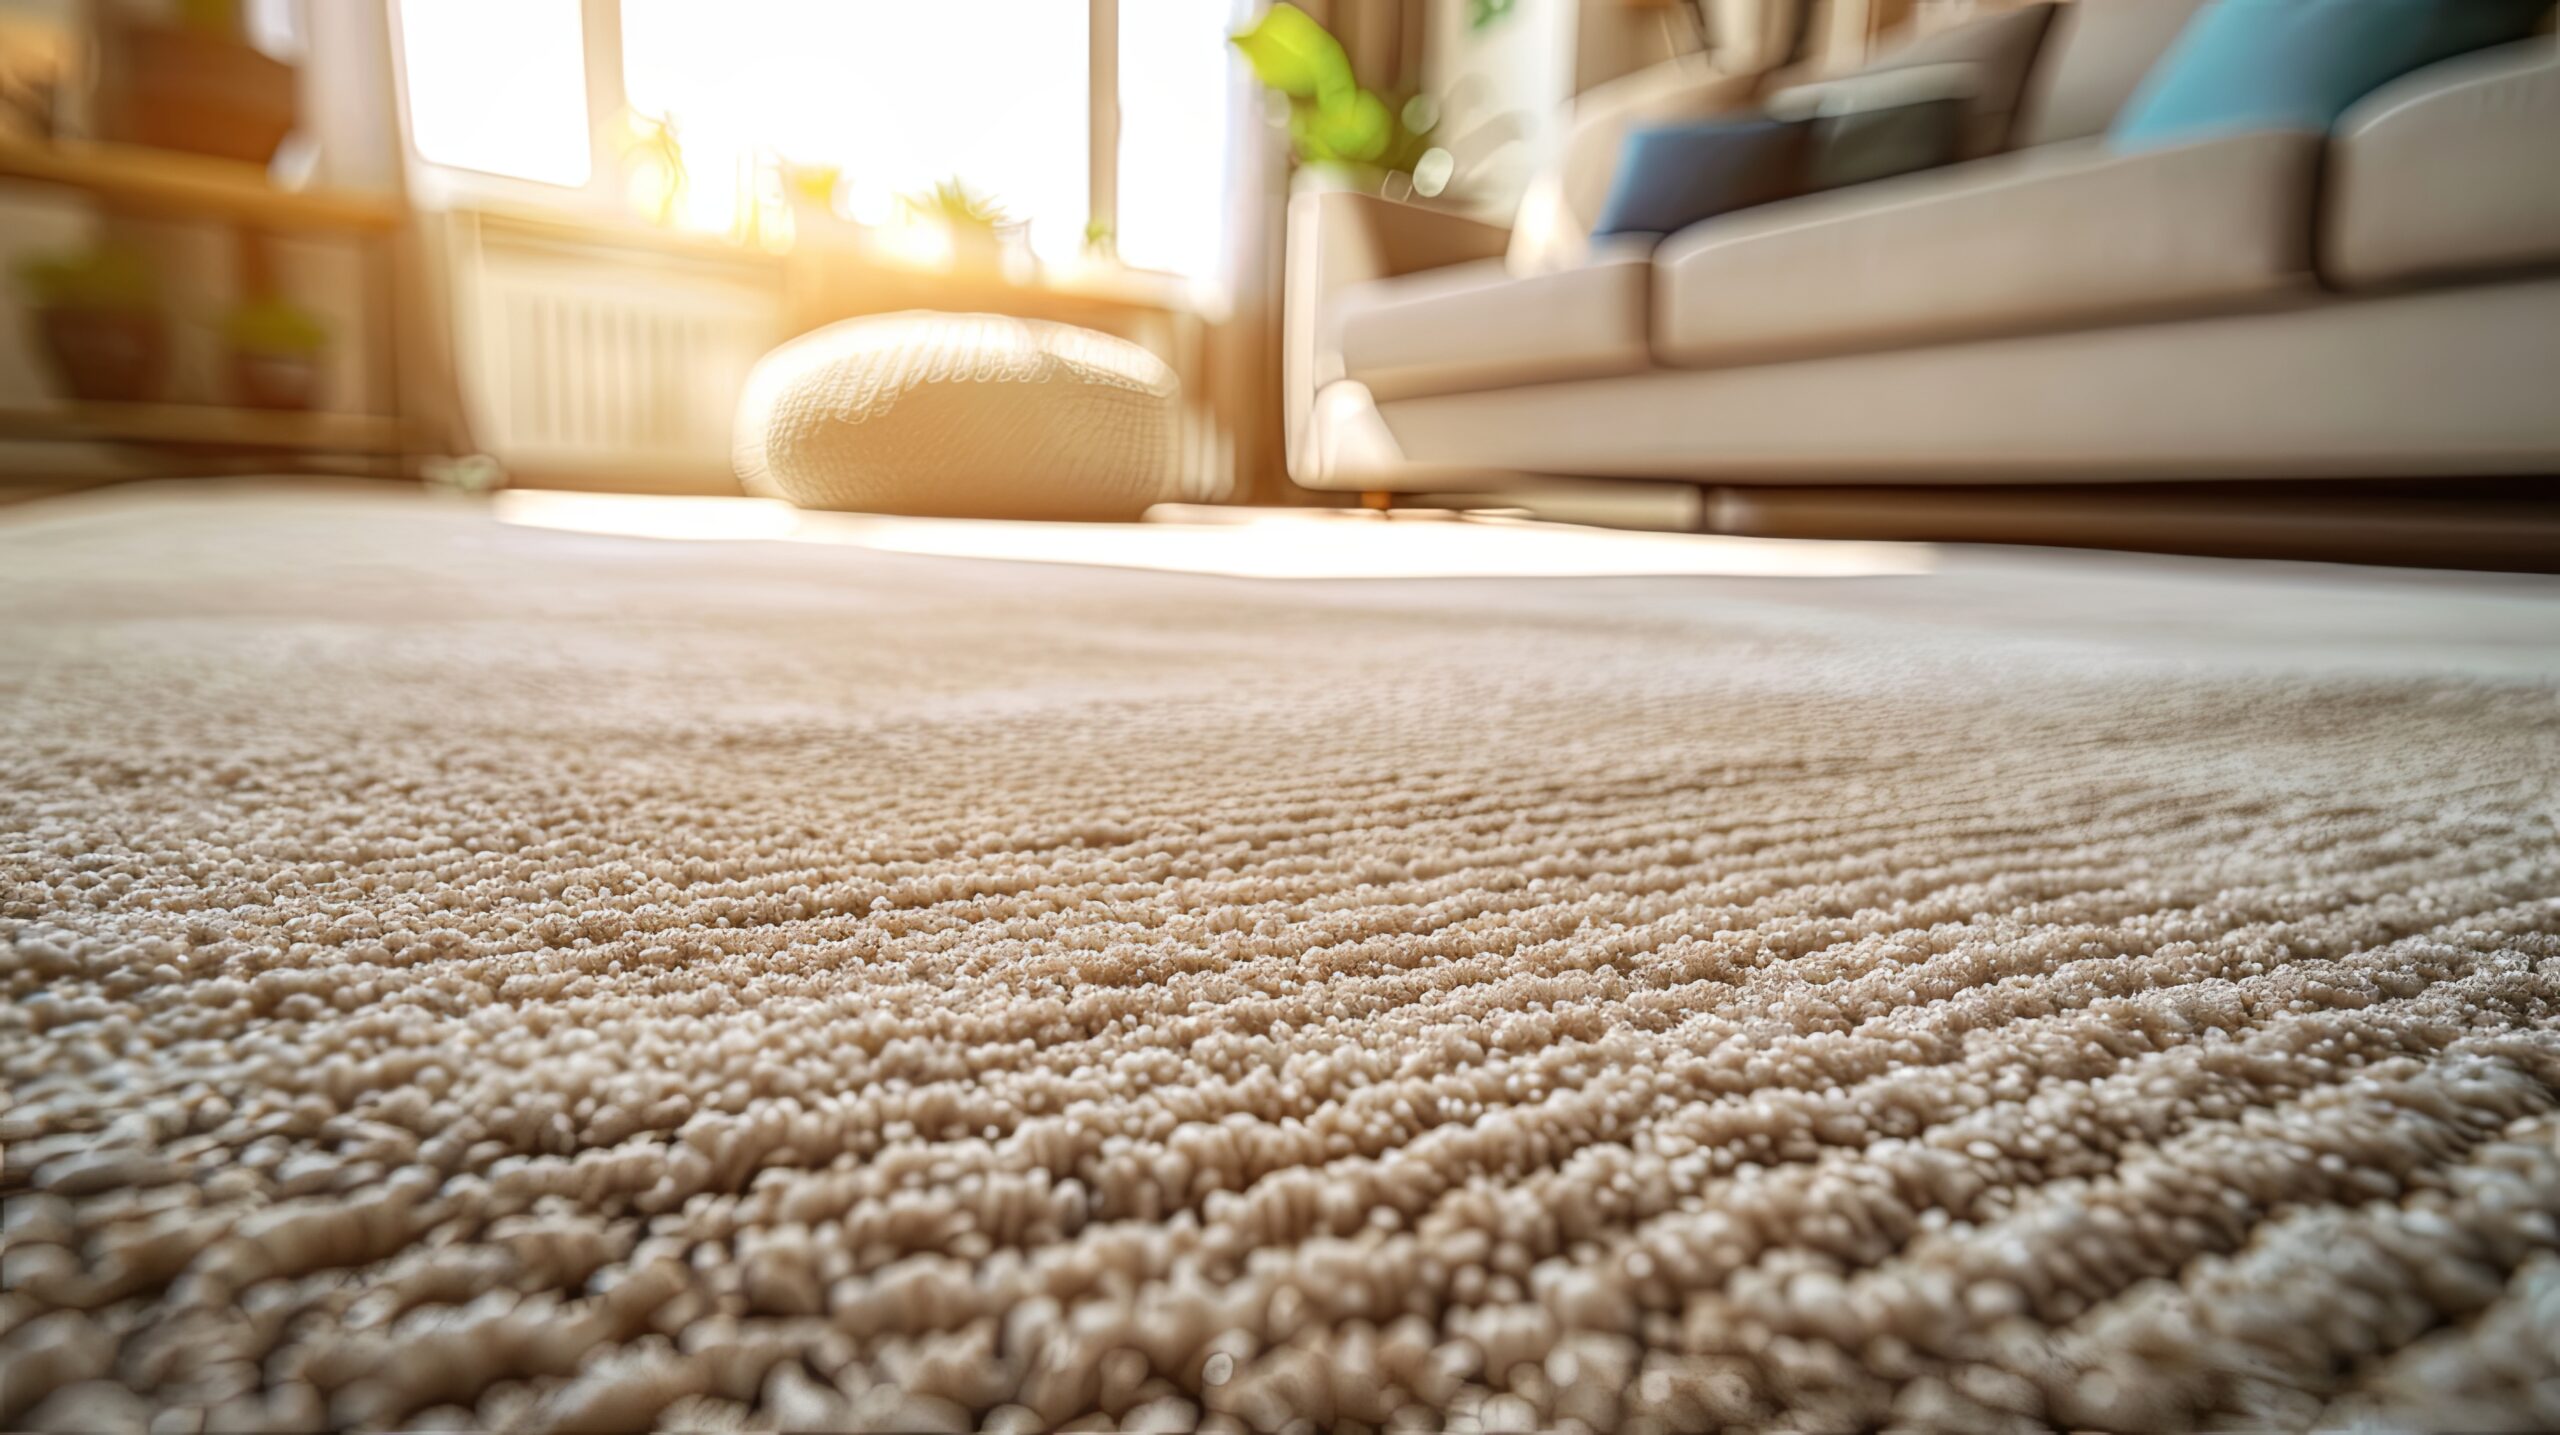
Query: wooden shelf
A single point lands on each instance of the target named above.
(185, 184)
(206, 425)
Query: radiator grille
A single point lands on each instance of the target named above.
(603, 362)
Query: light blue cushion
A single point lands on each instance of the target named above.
(2298, 64)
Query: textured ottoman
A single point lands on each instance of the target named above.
(966, 415)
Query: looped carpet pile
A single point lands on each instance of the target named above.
(465, 976)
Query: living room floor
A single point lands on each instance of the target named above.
(468, 966)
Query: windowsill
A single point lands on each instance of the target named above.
(1100, 281)
(852, 274)
(838, 260)
(575, 225)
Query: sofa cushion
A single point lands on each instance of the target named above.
(1861, 146)
(1552, 227)
(2454, 379)
(2092, 61)
(2298, 64)
(2058, 237)
(1479, 326)
(2449, 170)
(1673, 176)
(1991, 55)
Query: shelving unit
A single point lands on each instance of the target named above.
(207, 426)
(133, 180)
(185, 185)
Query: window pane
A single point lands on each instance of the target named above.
(899, 94)
(498, 86)
(1178, 82)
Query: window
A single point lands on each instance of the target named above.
(895, 96)
(1178, 96)
(498, 86)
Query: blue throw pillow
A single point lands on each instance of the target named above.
(1672, 176)
(2298, 64)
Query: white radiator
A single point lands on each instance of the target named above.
(602, 362)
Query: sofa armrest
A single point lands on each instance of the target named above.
(1338, 239)
(2448, 169)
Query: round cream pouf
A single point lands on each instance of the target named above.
(961, 415)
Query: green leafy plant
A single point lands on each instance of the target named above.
(275, 328)
(1332, 120)
(956, 205)
(106, 280)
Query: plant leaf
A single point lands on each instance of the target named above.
(1356, 126)
(1291, 53)
(1303, 135)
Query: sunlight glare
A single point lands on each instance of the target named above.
(1180, 90)
(1238, 543)
(898, 95)
(498, 86)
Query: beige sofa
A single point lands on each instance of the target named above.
(2379, 302)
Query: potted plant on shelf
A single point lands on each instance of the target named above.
(653, 157)
(99, 320)
(975, 223)
(276, 347)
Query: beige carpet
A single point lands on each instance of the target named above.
(465, 974)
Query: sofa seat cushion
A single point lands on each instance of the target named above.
(1479, 326)
(2059, 237)
(2454, 169)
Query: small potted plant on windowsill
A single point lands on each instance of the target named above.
(276, 347)
(98, 315)
(975, 224)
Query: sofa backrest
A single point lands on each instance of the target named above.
(1552, 226)
(1984, 53)
(2088, 63)
(2094, 57)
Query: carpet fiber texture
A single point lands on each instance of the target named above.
(464, 975)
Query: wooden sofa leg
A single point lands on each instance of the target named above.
(1376, 499)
